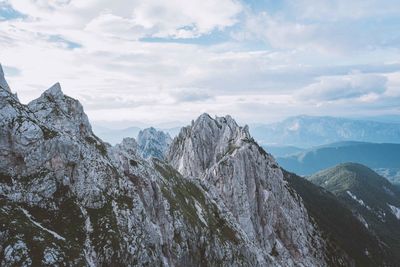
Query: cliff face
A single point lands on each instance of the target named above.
(67, 198)
(249, 183)
(153, 143)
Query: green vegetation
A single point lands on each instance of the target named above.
(105, 236)
(20, 228)
(98, 144)
(274, 252)
(366, 194)
(342, 230)
(124, 201)
(182, 194)
(37, 175)
(5, 178)
(133, 163)
(47, 133)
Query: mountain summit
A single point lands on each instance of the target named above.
(3, 82)
(248, 181)
(374, 200)
(216, 198)
(153, 143)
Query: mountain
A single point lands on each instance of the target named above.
(153, 143)
(69, 199)
(342, 231)
(308, 131)
(249, 183)
(374, 200)
(115, 136)
(383, 157)
(283, 151)
(217, 199)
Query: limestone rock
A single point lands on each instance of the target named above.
(153, 143)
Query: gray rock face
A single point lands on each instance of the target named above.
(250, 184)
(68, 199)
(3, 82)
(153, 143)
(62, 112)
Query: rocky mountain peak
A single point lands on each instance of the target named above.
(250, 184)
(3, 82)
(61, 112)
(205, 142)
(71, 200)
(226, 123)
(68, 199)
(153, 143)
(54, 91)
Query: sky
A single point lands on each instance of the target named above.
(169, 61)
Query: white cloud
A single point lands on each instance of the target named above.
(356, 85)
(117, 75)
(182, 19)
(327, 27)
(128, 19)
(343, 9)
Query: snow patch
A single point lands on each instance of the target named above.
(360, 201)
(40, 226)
(90, 254)
(199, 212)
(395, 210)
(362, 220)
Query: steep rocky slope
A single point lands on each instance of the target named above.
(218, 199)
(349, 242)
(248, 181)
(153, 143)
(68, 199)
(374, 201)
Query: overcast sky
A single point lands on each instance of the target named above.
(166, 61)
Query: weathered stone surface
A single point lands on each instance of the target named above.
(249, 182)
(153, 143)
(3, 82)
(69, 199)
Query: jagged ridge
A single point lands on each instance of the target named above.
(249, 182)
(69, 199)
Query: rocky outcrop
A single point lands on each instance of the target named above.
(153, 143)
(250, 184)
(69, 199)
(3, 82)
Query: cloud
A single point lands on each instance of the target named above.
(311, 25)
(342, 9)
(191, 95)
(132, 19)
(366, 87)
(261, 64)
(186, 19)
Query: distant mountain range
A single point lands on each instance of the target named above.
(307, 131)
(293, 133)
(115, 135)
(384, 158)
